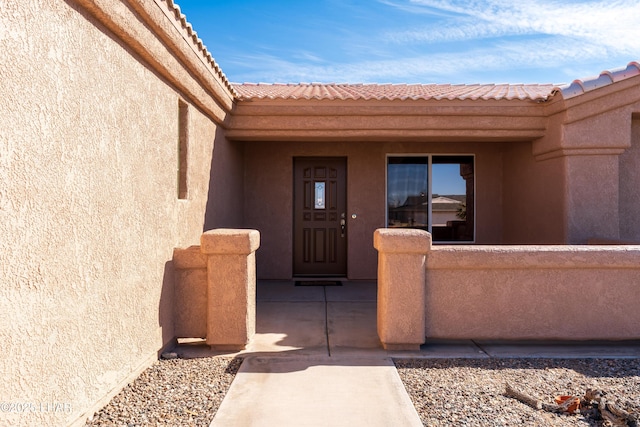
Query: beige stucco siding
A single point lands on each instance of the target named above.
(533, 197)
(225, 202)
(630, 186)
(89, 212)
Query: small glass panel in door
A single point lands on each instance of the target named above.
(319, 196)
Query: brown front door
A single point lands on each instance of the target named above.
(320, 207)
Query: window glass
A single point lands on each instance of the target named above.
(319, 195)
(407, 191)
(443, 206)
(452, 198)
(183, 149)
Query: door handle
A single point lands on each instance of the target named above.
(343, 224)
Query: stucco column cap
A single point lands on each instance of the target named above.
(229, 241)
(402, 240)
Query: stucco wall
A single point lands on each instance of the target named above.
(532, 292)
(533, 197)
(89, 213)
(268, 199)
(629, 196)
(592, 197)
(225, 201)
(269, 204)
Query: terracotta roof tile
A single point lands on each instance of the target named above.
(190, 35)
(578, 87)
(343, 91)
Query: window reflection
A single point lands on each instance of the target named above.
(444, 208)
(407, 189)
(452, 198)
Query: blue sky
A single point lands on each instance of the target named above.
(416, 41)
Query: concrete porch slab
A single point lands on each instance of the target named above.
(353, 291)
(285, 290)
(315, 319)
(352, 325)
(316, 391)
(298, 326)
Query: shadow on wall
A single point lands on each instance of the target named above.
(165, 309)
(225, 199)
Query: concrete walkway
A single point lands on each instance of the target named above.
(316, 391)
(316, 361)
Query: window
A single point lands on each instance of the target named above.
(433, 193)
(183, 148)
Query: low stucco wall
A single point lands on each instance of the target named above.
(505, 292)
(215, 289)
(533, 292)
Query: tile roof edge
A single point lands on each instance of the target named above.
(568, 91)
(253, 92)
(197, 44)
(605, 78)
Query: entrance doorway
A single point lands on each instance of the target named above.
(319, 225)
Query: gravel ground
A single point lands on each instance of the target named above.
(470, 392)
(445, 392)
(177, 392)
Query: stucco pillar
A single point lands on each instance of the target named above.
(401, 286)
(231, 286)
(590, 139)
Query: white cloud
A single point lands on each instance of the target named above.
(308, 56)
(416, 69)
(530, 34)
(419, 9)
(609, 23)
(526, 35)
